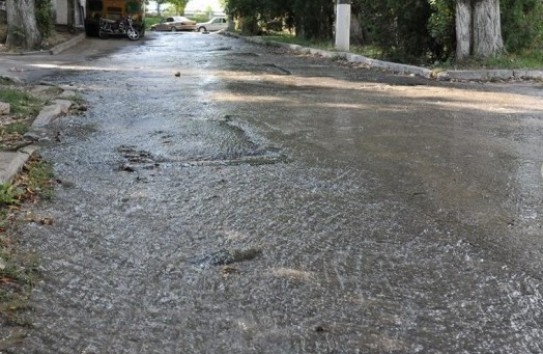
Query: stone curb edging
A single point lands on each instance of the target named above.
(50, 112)
(403, 69)
(68, 44)
(12, 162)
(59, 48)
(490, 75)
(353, 58)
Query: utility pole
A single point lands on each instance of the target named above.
(343, 25)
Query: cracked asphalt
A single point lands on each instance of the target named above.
(362, 212)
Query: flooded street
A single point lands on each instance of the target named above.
(223, 197)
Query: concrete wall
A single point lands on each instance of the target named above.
(68, 12)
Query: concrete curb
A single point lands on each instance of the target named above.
(490, 75)
(369, 63)
(50, 112)
(12, 162)
(68, 44)
(59, 48)
(403, 69)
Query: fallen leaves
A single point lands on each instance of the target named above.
(39, 220)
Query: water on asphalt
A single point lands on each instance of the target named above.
(373, 213)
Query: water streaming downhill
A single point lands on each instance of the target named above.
(364, 243)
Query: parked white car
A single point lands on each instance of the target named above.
(215, 24)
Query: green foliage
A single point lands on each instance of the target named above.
(314, 19)
(522, 24)
(413, 31)
(40, 176)
(9, 194)
(45, 17)
(17, 128)
(200, 18)
(398, 27)
(311, 19)
(22, 103)
(179, 5)
(151, 20)
(441, 27)
(18, 269)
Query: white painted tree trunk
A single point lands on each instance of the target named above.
(478, 28)
(463, 29)
(22, 27)
(343, 26)
(487, 32)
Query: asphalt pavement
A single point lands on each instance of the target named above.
(12, 68)
(221, 197)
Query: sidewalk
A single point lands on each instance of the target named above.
(12, 69)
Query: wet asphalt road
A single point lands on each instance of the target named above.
(393, 214)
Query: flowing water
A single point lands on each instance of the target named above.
(221, 197)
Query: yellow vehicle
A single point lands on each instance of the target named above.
(114, 10)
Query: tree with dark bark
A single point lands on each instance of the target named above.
(23, 29)
(408, 30)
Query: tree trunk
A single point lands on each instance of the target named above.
(478, 28)
(487, 32)
(463, 29)
(22, 27)
(357, 32)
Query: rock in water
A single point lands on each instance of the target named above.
(225, 256)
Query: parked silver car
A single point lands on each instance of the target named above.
(175, 23)
(215, 24)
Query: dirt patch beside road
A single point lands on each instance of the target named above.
(57, 37)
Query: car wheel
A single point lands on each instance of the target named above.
(173, 29)
(202, 29)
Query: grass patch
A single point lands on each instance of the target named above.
(17, 128)
(291, 39)
(18, 269)
(22, 103)
(9, 194)
(151, 20)
(529, 59)
(40, 179)
(24, 107)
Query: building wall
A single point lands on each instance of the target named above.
(68, 12)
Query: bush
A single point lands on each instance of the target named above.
(441, 27)
(399, 28)
(45, 17)
(522, 24)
